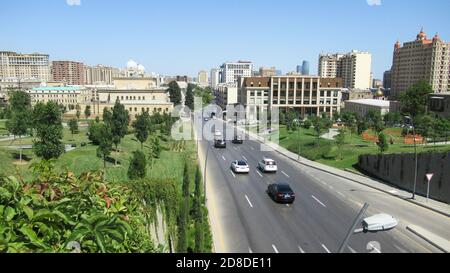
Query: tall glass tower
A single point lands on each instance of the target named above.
(305, 68)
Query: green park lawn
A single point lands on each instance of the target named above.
(326, 152)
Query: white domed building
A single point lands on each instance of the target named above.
(134, 70)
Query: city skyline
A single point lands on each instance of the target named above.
(146, 34)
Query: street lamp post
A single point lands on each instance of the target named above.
(409, 121)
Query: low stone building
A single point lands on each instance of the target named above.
(439, 104)
(363, 106)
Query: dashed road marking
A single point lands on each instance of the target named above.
(259, 173)
(341, 194)
(373, 248)
(224, 159)
(233, 173)
(248, 200)
(326, 249)
(285, 174)
(244, 158)
(252, 148)
(275, 249)
(250, 250)
(352, 250)
(318, 201)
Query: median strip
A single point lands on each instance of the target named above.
(435, 240)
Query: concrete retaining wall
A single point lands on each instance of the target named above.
(398, 170)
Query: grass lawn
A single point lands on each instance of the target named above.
(326, 151)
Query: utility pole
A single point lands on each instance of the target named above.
(353, 227)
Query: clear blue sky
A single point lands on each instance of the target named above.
(184, 36)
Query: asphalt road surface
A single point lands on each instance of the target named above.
(245, 220)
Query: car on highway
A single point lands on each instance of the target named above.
(379, 222)
(206, 119)
(281, 193)
(238, 140)
(220, 143)
(268, 165)
(217, 135)
(240, 166)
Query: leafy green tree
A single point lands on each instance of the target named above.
(307, 124)
(382, 143)
(392, 119)
(142, 127)
(414, 101)
(186, 180)
(174, 93)
(156, 147)
(49, 130)
(73, 126)
(19, 122)
(94, 132)
(340, 142)
(361, 126)
(350, 120)
(105, 142)
(78, 113)
(198, 215)
(107, 116)
(87, 112)
(138, 166)
(291, 124)
(190, 96)
(319, 128)
(184, 212)
(119, 124)
(424, 125)
(442, 128)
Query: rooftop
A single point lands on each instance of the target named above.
(372, 102)
(62, 88)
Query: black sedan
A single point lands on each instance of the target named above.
(221, 143)
(281, 193)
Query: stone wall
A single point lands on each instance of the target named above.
(398, 170)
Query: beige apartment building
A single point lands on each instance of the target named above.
(100, 75)
(355, 68)
(308, 95)
(422, 59)
(20, 67)
(63, 95)
(267, 72)
(226, 94)
(203, 78)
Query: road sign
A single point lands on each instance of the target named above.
(430, 176)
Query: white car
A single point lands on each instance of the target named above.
(379, 222)
(268, 165)
(217, 135)
(240, 166)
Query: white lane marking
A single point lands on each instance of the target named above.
(244, 158)
(235, 148)
(233, 173)
(259, 173)
(374, 248)
(331, 187)
(326, 249)
(285, 174)
(352, 250)
(301, 250)
(248, 200)
(318, 201)
(250, 250)
(287, 205)
(252, 148)
(341, 194)
(224, 159)
(275, 248)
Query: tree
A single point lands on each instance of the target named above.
(198, 216)
(174, 93)
(73, 126)
(186, 180)
(107, 116)
(142, 127)
(87, 111)
(361, 126)
(138, 166)
(424, 125)
(119, 124)
(78, 114)
(94, 132)
(290, 121)
(49, 130)
(415, 100)
(319, 127)
(190, 96)
(307, 124)
(382, 143)
(19, 122)
(184, 212)
(105, 142)
(392, 119)
(350, 121)
(340, 142)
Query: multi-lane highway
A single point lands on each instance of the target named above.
(244, 219)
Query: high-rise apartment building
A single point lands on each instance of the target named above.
(231, 72)
(69, 72)
(100, 75)
(216, 74)
(354, 68)
(203, 78)
(422, 59)
(24, 67)
(387, 79)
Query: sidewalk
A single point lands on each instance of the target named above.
(433, 205)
